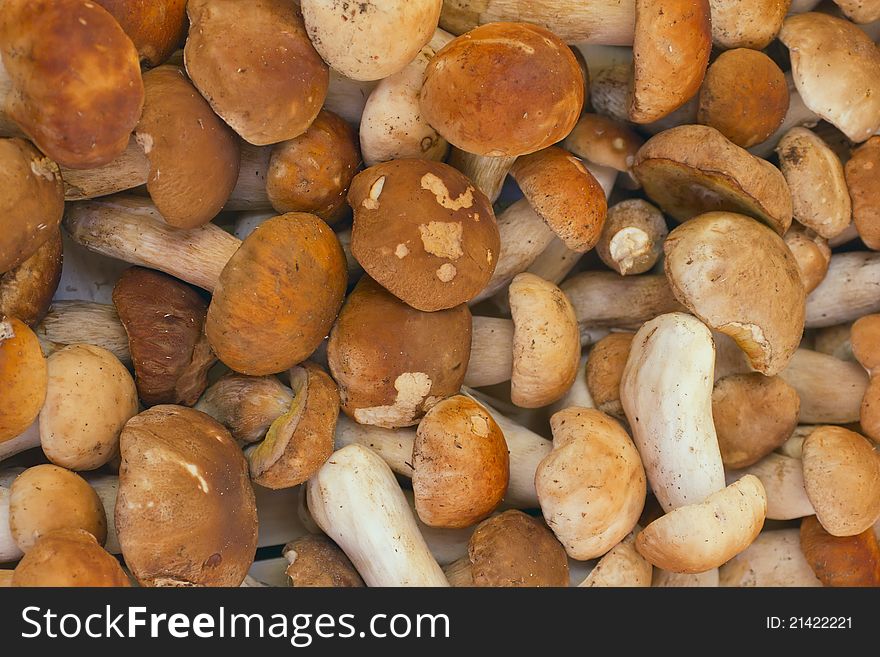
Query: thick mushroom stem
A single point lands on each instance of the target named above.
(249, 192)
(85, 322)
(131, 229)
(491, 359)
(783, 479)
(356, 500)
(848, 291)
(486, 172)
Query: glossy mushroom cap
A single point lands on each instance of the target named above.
(156, 28)
(23, 377)
(26, 291)
(503, 89)
(76, 78)
(68, 557)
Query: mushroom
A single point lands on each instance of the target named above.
(357, 502)
(194, 157)
(318, 561)
(155, 28)
(460, 464)
(185, 513)
(164, 321)
(691, 169)
(632, 238)
(47, 498)
(860, 11)
(312, 172)
(773, 559)
(232, 56)
(830, 390)
(68, 557)
(836, 68)
(841, 560)
(861, 178)
(811, 252)
(275, 295)
(744, 95)
(546, 344)
(747, 23)
(592, 485)
(73, 322)
(604, 371)
(842, 478)
(865, 338)
(848, 290)
(491, 360)
(783, 480)
(511, 550)
(246, 405)
(621, 566)
(128, 170)
(23, 379)
(9, 550)
(76, 87)
(31, 201)
(697, 537)
(392, 362)
(670, 410)
(711, 274)
(753, 415)
(604, 141)
(423, 232)
(26, 291)
(535, 99)
(815, 177)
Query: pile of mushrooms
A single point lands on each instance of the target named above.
(454, 293)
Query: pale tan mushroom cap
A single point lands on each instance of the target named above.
(747, 23)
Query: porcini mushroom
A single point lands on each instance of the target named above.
(747, 23)
(246, 405)
(861, 176)
(847, 291)
(632, 238)
(68, 557)
(604, 371)
(841, 560)
(156, 28)
(26, 291)
(604, 141)
(23, 378)
(318, 561)
(865, 339)
(811, 252)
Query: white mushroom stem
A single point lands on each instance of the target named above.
(578, 395)
(358, 503)
(491, 358)
(84, 322)
(129, 169)
(9, 551)
(447, 545)
(249, 192)
(86, 275)
(773, 559)
(395, 446)
(132, 230)
(830, 390)
(28, 439)
(783, 479)
(347, 98)
(851, 289)
(486, 172)
(607, 22)
(107, 487)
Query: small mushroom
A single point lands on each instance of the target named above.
(246, 405)
(691, 169)
(811, 252)
(511, 549)
(697, 537)
(842, 478)
(747, 23)
(621, 566)
(232, 55)
(604, 141)
(47, 498)
(753, 415)
(711, 273)
(592, 485)
(534, 101)
(164, 320)
(26, 291)
(23, 378)
(632, 238)
(460, 464)
(392, 362)
(773, 559)
(744, 96)
(841, 560)
(156, 28)
(185, 513)
(318, 561)
(68, 557)
(604, 371)
(865, 339)
(861, 179)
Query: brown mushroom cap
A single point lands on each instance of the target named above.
(754, 414)
(841, 560)
(31, 201)
(317, 561)
(865, 341)
(515, 550)
(604, 370)
(298, 442)
(460, 464)
(45, 498)
(503, 89)
(312, 172)
(749, 24)
(68, 557)
(194, 156)
(164, 318)
(23, 377)
(671, 50)
(255, 65)
(564, 194)
(811, 252)
(278, 295)
(861, 172)
(26, 291)
(246, 405)
(76, 78)
(836, 70)
(424, 232)
(156, 28)
(604, 141)
(90, 396)
(692, 169)
(185, 513)
(744, 96)
(842, 478)
(739, 278)
(392, 362)
(632, 238)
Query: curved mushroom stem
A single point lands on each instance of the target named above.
(830, 390)
(131, 229)
(848, 291)
(87, 322)
(29, 439)
(486, 172)
(356, 500)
